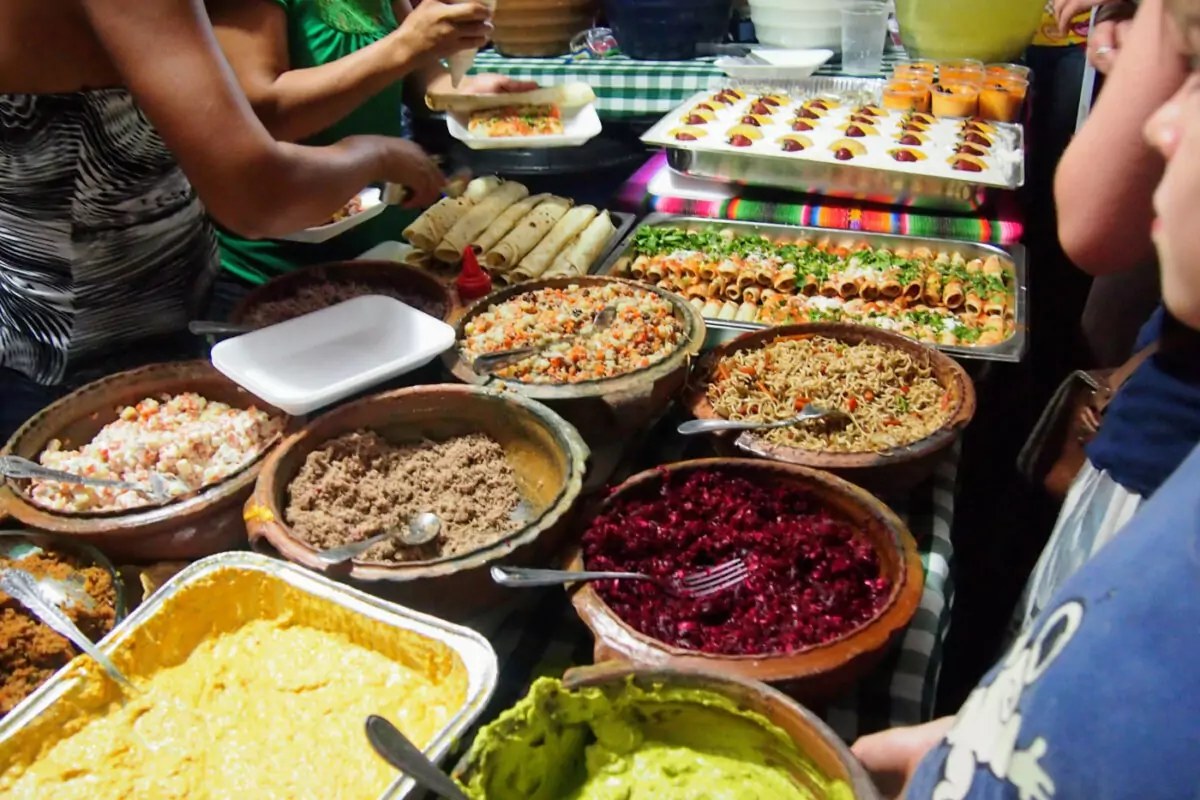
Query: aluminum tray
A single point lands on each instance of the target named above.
(350, 604)
(1011, 349)
(880, 183)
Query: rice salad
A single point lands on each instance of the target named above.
(191, 441)
(645, 331)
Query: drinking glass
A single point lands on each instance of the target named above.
(864, 30)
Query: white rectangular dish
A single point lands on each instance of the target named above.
(311, 361)
(580, 124)
(373, 205)
(765, 64)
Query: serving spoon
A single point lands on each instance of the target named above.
(212, 327)
(422, 529)
(807, 414)
(39, 597)
(396, 749)
(22, 468)
(492, 362)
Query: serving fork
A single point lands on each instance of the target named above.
(694, 585)
(157, 490)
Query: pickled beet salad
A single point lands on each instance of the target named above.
(813, 578)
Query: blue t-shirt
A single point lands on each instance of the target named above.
(1153, 422)
(1101, 699)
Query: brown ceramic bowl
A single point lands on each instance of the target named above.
(192, 526)
(376, 274)
(611, 413)
(539, 28)
(815, 674)
(897, 470)
(821, 746)
(546, 453)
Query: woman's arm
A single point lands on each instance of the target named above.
(295, 104)
(169, 59)
(1107, 176)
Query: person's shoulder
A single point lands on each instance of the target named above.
(1092, 700)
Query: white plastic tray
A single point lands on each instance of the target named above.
(372, 206)
(774, 65)
(579, 125)
(311, 361)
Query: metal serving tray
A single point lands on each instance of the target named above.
(812, 172)
(1011, 349)
(335, 602)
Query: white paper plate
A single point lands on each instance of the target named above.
(311, 361)
(372, 206)
(579, 125)
(387, 251)
(782, 65)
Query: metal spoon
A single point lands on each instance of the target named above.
(21, 468)
(493, 362)
(395, 748)
(422, 528)
(809, 412)
(30, 593)
(210, 327)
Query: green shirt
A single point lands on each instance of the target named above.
(320, 32)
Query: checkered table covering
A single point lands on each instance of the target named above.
(628, 88)
(540, 635)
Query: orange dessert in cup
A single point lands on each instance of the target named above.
(906, 95)
(968, 70)
(1007, 71)
(1000, 100)
(923, 71)
(955, 99)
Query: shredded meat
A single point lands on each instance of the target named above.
(359, 485)
(312, 298)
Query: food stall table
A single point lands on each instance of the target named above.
(539, 634)
(626, 87)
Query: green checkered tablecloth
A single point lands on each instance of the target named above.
(625, 87)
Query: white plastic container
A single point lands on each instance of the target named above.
(798, 24)
(579, 125)
(372, 206)
(311, 361)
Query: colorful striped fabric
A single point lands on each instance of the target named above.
(1004, 226)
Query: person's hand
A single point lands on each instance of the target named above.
(892, 756)
(491, 83)
(407, 164)
(441, 28)
(1104, 43)
(1067, 10)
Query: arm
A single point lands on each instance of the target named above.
(169, 59)
(1106, 178)
(295, 104)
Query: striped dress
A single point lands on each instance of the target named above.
(103, 242)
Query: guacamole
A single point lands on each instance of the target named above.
(627, 742)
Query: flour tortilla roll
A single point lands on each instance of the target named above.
(428, 229)
(476, 221)
(579, 256)
(527, 233)
(539, 259)
(480, 188)
(418, 258)
(504, 223)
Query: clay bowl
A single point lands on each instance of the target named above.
(813, 738)
(895, 471)
(538, 28)
(816, 674)
(193, 526)
(376, 274)
(546, 453)
(607, 413)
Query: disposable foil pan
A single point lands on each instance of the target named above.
(1011, 349)
(872, 179)
(334, 606)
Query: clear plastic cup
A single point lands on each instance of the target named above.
(922, 71)
(906, 95)
(966, 70)
(1008, 71)
(1001, 99)
(864, 30)
(955, 99)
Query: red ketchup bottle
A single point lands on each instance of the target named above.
(472, 282)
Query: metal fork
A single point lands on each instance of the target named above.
(695, 585)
